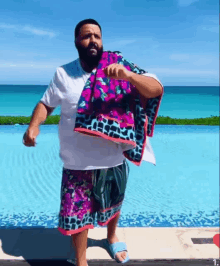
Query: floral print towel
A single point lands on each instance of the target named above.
(112, 109)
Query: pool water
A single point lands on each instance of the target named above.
(182, 190)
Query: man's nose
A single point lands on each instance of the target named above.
(92, 39)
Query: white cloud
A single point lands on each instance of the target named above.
(180, 57)
(28, 65)
(7, 26)
(196, 59)
(214, 19)
(30, 29)
(124, 42)
(209, 23)
(183, 72)
(146, 44)
(119, 43)
(27, 54)
(39, 31)
(184, 3)
(214, 29)
(21, 54)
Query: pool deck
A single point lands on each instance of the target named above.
(146, 246)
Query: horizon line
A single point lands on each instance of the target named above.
(163, 85)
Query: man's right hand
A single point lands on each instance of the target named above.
(30, 136)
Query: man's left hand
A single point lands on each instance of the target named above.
(117, 71)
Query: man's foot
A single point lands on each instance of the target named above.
(120, 255)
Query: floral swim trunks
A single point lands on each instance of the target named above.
(85, 193)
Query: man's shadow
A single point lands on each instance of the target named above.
(42, 244)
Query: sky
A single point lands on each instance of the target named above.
(177, 40)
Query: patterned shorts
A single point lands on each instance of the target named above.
(87, 193)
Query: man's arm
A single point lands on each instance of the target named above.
(147, 86)
(39, 115)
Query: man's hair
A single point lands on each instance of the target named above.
(83, 22)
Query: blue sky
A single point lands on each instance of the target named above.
(178, 40)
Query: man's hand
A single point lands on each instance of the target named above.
(30, 136)
(117, 71)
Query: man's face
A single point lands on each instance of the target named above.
(89, 44)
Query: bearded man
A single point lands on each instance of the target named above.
(88, 160)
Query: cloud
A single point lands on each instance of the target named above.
(30, 29)
(120, 43)
(210, 23)
(214, 29)
(145, 44)
(39, 31)
(28, 65)
(29, 54)
(183, 72)
(214, 19)
(180, 57)
(184, 3)
(7, 26)
(195, 59)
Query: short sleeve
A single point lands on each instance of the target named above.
(52, 96)
(152, 76)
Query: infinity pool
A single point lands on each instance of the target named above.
(182, 190)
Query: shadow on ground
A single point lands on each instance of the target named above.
(40, 244)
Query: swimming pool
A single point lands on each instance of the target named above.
(182, 190)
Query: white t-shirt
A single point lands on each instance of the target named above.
(79, 151)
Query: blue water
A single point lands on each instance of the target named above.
(182, 190)
(177, 102)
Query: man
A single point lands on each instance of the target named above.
(87, 160)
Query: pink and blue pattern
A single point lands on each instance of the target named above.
(112, 109)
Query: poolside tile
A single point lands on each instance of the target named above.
(201, 251)
(153, 243)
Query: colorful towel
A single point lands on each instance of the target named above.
(112, 109)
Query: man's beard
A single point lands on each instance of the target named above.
(85, 55)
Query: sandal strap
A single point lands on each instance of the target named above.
(118, 247)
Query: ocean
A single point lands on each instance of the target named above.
(177, 101)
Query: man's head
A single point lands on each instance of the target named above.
(88, 41)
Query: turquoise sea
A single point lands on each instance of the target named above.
(177, 102)
(182, 190)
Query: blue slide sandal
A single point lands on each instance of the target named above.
(118, 247)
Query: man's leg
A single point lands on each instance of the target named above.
(79, 241)
(121, 173)
(112, 238)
